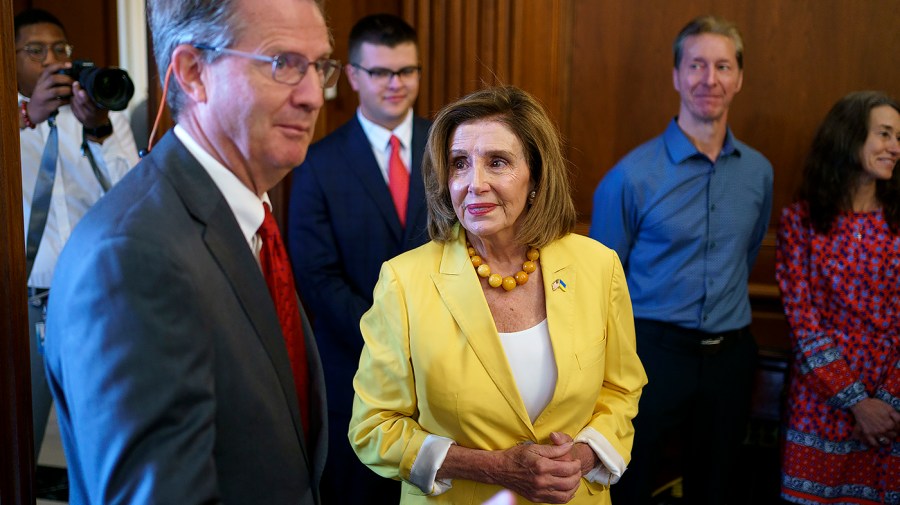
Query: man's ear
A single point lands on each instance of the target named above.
(350, 72)
(187, 68)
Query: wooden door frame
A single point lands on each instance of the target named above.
(16, 437)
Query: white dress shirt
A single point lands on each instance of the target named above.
(244, 203)
(380, 140)
(75, 186)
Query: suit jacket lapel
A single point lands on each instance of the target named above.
(556, 265)
(456, 282)
(361, 162)
(228, 246)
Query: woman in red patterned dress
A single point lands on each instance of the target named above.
(838, 267)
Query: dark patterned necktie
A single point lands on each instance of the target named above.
(280, 279)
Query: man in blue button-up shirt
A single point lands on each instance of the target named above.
(687, 212)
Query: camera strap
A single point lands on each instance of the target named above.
(86, 152)
(40, 198)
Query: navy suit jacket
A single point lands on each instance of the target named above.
(165, 354)
(342, 225)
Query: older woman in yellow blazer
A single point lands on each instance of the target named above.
(502, 353)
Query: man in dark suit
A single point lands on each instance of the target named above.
(176, 349)
(357, 201)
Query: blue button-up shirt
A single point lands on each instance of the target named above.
(687, 229)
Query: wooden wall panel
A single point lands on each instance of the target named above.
(467, 44)
(91, 26)
(800, 57)
(341, 15)
(541, 53)
(16, 432)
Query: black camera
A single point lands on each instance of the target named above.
(110, 88)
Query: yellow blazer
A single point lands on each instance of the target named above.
(433, 363)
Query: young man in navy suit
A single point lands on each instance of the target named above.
(356, 201)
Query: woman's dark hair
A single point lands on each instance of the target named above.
(833, 167)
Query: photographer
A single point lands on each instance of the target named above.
(72, 151)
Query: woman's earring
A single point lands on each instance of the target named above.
(531, 197)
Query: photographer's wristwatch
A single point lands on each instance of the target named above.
(99, 132)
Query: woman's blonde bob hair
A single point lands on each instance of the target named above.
(551, 215)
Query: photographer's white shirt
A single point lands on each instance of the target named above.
(75, 187)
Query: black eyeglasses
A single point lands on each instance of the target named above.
(288, 68)
(381, 75)
(38, 52)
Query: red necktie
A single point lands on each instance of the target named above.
(277, 271)
(399, 180)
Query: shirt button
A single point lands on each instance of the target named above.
(712, 208)
(712, 245)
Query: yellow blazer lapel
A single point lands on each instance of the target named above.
(460, 290)
(557, 268)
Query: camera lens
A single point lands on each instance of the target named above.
(108, 87)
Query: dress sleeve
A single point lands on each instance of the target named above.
(813, 343)
(610, 433)
(889, 390)
(384, 432)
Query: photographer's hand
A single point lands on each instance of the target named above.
(51, 91)
(86, 111)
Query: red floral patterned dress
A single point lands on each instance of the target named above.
(841, 295)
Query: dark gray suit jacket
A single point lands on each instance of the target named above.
(165, 355)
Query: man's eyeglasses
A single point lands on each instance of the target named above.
(288, 68)
(38, 52)
(381, 75)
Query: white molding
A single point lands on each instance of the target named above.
(132, 27)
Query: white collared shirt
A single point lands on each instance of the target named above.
(75, 187)
(246, 206)
(380, 140)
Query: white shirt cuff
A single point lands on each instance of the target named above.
(428, 462)
(612, 464)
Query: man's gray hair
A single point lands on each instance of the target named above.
(714, 25)
(175, 22)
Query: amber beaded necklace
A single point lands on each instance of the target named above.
(496, 280)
